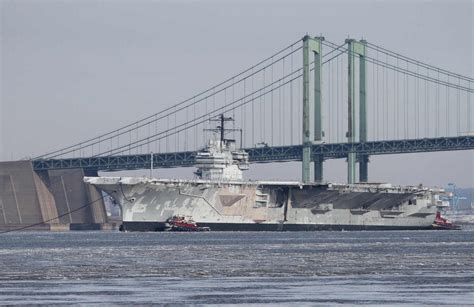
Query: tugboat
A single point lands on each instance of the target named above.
(182, 223)
(442, 223)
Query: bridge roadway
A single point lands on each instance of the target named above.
(260, 154)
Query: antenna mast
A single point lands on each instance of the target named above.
(222, 130)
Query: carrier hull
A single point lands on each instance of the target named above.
(269, 206)
(157, 226)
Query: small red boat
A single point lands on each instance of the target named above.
(442, 223)
(182, 223)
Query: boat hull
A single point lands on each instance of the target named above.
(158, 226)
(268, 206)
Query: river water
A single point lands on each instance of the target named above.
(307, 268)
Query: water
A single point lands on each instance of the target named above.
(309, 268)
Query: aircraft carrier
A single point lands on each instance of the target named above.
(221, 200)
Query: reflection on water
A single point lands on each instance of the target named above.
(407, 267)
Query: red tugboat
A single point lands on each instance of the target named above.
(181, 223)
(442, 223)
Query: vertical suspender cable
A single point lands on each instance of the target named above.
(469, 115)
(195, 146)
(437, 108)
(282, 106)
(329, 104)
(136, 135)
(387, 100)
(378, 99)
(343, 89)
(186, 132)
(299, 116)
(397, 98)
(148, 143)
(395, 103)
(280, 124)
(427, 116)
(262, 111)
(176, 129)
(233, 113)
(204, 141)
(373, 102)
(337, 100)
(407, 105)
(129, 146)
(156, 131)
(458, 117)
(333, 101)
(213, 106)
(243, 119)
(253, 114)
(404, 112)
(214, 98)
(384, 134)
(417, 110)
(291, 101)
(271, 106)
(447, 108)
(407, 110)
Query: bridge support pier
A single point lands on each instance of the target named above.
(363, 160)
(318, 168)
(363, 168)
(356, 48)
(306, 164)
(311, 46)
(48, 199)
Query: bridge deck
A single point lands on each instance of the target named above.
(261, 154)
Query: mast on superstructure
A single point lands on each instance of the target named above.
(222, 130)
(221, 161)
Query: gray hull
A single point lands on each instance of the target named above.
(269, 206)
(156, 226)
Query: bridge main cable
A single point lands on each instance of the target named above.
(412, 73)
(419, 63)
(204, 118)
(114, 133)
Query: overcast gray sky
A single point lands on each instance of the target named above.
(75, 69)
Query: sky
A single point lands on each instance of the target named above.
(70, 70)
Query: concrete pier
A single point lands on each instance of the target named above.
(28, 197)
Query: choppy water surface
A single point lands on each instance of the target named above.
(327, 268)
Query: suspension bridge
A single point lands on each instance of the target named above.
(310, 101)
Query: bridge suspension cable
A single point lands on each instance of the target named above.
(266, 100)
(244, 78)
(419, 63)
(204, 118)
(173, 109)
(414, 94)
(270, 89)
(412, 73)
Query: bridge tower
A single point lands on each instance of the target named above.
(357, 49)
(312, 125)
